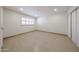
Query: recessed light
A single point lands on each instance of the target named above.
(21, 9)
(55, 10)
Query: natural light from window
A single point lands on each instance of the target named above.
(28, 21)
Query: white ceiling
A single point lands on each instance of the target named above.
(39, 11)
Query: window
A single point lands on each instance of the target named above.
(28, 21)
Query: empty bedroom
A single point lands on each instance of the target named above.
(39, 29)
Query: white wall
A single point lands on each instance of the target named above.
(78, 27)
(57, 23)
(12, 23)
(1, 25)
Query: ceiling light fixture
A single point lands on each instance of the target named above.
(55, 10)
(21, 9)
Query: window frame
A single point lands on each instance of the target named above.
(28, 21)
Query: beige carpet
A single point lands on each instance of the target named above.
(38, 41)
